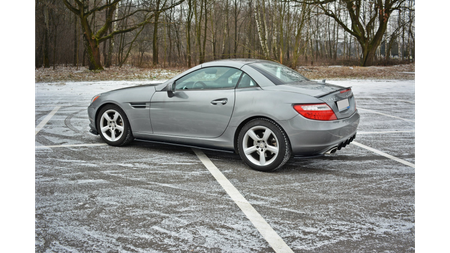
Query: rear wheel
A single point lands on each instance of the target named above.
(113, 126)
(263, 145)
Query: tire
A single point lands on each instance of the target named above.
(113, 126)
(263, 145)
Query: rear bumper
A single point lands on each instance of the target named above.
(313, 138)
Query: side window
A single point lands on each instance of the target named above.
(209, 78)
(246, 81)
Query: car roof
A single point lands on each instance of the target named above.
(237, 63)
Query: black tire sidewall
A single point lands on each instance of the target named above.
(126, 136)
(284, 146)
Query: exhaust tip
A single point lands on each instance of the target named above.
(331, 151)
(341, 145)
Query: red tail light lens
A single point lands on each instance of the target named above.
(316, 111)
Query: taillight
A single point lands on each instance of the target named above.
(344, 91)
(316, 111)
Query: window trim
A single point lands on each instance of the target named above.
(240, 78)
(206, 67)
(272, 78)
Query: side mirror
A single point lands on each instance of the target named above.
(171, 89)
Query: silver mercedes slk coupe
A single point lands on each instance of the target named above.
(262, 110)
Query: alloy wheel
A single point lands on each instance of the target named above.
(112, 125)
(260, 145)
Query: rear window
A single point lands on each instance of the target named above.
(278, 73)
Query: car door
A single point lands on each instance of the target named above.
(201, 107)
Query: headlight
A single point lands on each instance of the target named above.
(94, 98)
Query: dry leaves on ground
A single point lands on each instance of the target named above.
(133, 73)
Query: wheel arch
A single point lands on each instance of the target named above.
(242, 124)
(106, 104)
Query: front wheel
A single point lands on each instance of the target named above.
(113, 126)
(263, 145)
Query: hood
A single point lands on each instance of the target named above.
(310, 88)
(131, 88)
(137, 86)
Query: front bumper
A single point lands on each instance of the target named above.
(314, 138)
(91, 114)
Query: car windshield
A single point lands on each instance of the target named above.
(277, 73)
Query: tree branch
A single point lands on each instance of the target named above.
(71, 8)
(340, 22)
(146, 21)
(115, 2)
(108, 20)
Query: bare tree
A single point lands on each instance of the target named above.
(369, 20)
(93, 38)
(105, 32)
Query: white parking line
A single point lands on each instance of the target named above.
(274, 240)
(386, 132)
(384, 154)
(406, 101)
(384, 114)
(46, 119)
(72, 145)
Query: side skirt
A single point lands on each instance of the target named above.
(185, 145)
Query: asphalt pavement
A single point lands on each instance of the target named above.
(146, 197)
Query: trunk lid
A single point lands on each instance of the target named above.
(340, 99)
(311, 88)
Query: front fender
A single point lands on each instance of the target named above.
(134, 101)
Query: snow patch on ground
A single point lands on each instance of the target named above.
(160, 198)
(87, 88)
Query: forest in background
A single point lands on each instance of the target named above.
(184, 33)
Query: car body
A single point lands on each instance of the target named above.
(262, 110)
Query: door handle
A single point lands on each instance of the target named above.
(222, 101)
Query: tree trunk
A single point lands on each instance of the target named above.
(54, 47)
(188, 33)
(305, 12)
(198, 29)
(110, 42)
(92, 47)
(236, 38)
(155, 35)
(370, 45)
(75, 46)
(259, 26)
(213, 33)
(93, 52)
(226, 36)
(46, 60)
(202, 58)
(155, 39)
